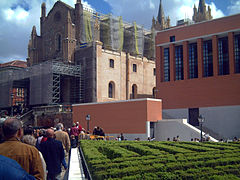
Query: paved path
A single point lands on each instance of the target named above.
(75, 168)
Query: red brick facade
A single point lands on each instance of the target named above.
(202, 91)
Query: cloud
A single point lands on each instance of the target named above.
(142, 11)
(17, 14)
(234, 8)
(17, 18)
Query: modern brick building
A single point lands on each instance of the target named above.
(198, 72)
(135, 118)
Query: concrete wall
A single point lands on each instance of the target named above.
(128, 117)
(223, 121)
(170, 128)
(175, 113)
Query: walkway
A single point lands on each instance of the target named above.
(75, 167)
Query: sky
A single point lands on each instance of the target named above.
(17, 17)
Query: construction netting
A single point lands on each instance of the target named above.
(8, 77)
(134, 39)
(41, 84)
(116, 35)
(44, 82)
(87, 25)
(111, 33)
(149, 45)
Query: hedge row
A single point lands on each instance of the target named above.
(183, 170)
(190, 147)
(161, 160)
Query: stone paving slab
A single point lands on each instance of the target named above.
(75, 167)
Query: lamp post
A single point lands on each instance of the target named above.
(12, 96)
(88, 117)
(201, 120)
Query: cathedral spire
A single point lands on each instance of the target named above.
(201, 6)
(203, 13)
(34, 32)
(161, 22)
(43, 9)
(160, 17)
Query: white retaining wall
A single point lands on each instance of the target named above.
(170, 128)
(222, 120)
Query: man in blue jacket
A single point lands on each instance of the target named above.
(11, 170)
(53, 153)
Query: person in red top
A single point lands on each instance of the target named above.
(79, 127)
(75, 131)
(44, 138)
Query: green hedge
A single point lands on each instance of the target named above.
(161, 160)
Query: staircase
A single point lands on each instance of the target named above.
(212, 133)
(27, 118)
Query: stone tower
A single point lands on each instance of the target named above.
(201, 14)
(161, 22)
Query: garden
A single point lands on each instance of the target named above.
(161, 160)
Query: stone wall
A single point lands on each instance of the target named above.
(51, 120)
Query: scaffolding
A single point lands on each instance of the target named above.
(111, 33)
(44, 81)
(117, 35)
(134, 40)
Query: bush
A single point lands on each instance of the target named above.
(161, 160)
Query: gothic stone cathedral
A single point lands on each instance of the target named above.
(116, 58)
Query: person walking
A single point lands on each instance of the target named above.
(53, 153)
(75, 131)
(29, 139)
(26, 155)
(64, 138)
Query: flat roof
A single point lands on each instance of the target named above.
(120, 101)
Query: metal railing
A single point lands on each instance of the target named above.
(84, 165)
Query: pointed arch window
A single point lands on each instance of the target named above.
(58, 42)
(111, 90)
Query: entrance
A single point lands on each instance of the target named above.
(152, 130)
(193, 114)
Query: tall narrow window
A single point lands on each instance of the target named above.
(154, 71)
(179, 62)
(166, 65)
(193, 62)
(134, 67)
(154, 92)
(111, 63)
(58, 42)
(207, 59)
(111, 90)
(134, 91)
(237, 53)
(223, 61)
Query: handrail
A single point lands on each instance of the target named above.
(84, 165)
(27, 113)
(66, 175)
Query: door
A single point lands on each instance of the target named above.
(193, 114)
